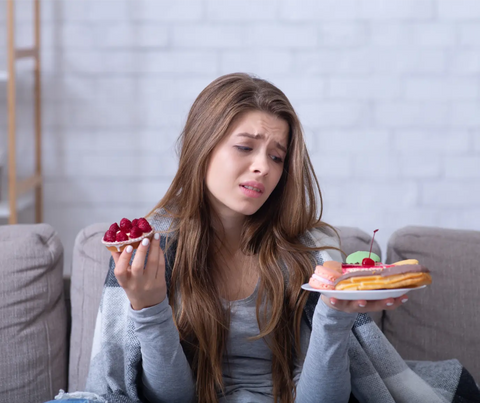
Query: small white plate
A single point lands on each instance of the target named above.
(366, 294)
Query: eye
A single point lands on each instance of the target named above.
(246, 149)
(243, 148)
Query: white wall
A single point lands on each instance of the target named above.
(388, 92)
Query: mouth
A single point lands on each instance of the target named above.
(252, 188)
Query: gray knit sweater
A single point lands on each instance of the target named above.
(323, 375)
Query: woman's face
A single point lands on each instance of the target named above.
(247, 164)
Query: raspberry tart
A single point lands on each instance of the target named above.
(127, 233)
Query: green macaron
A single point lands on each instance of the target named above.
(357, 257)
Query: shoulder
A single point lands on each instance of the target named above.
(324, 236)
(163, 222)
(327, 238)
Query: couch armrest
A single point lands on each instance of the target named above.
(443, 320)
(33, 317)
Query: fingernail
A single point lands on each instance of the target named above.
(362, 305)
(332, 302)
(157, 236)
(129, 248)
(145, 242)
(389, 303)
(404, 300)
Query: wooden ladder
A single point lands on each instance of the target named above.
(17, 188)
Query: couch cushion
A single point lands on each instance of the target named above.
(443, 320)
(33, 317)
(89, 269)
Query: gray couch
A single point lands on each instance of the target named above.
(47, 321)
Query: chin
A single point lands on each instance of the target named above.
(240, 209)
(248, 210)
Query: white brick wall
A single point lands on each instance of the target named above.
(388, 93)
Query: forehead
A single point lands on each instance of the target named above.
(262, 123)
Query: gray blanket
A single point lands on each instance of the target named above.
(378, 373)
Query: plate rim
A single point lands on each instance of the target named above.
(360, 292)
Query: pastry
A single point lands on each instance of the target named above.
(364, 271)
(127, 233)
(334, 265)
(362, 260)
(398, 275)
(324, 278)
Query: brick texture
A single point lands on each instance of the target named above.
(388, 93)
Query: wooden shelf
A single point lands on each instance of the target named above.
(22, 193)
(23, 203)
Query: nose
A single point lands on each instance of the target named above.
(261, 164)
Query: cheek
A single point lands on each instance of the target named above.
(227, 163)
(278, 172)
(220, 172)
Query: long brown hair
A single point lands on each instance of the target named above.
(272, 233)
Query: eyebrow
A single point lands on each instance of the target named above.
(261, 137)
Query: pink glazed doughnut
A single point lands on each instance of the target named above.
(324, 278)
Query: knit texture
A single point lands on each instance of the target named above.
(378, 373)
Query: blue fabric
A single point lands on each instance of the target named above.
(79, 400)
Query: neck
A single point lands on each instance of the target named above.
(229, 231)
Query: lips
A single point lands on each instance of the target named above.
(255, 186)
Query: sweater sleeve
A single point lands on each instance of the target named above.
(167, 376)
(324, 374)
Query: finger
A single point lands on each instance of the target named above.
(122, 263)
(152, 260)
(388, 303)
(138, 263)
(331, 302)
(363, 306)
(115, 256)
(339, 305)
(397, 302)
(361, 303)
(160, 272)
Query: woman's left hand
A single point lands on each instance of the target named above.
(363, 306)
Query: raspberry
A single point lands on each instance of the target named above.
(144, 225)
(136, 232)
(134, 222)
(110, 236)
(125, 225)
(114, 227)
(122, 236)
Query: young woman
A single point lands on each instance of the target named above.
(219, 315)
(212, 309)
(241, 221)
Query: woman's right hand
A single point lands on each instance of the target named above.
(144, 284)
